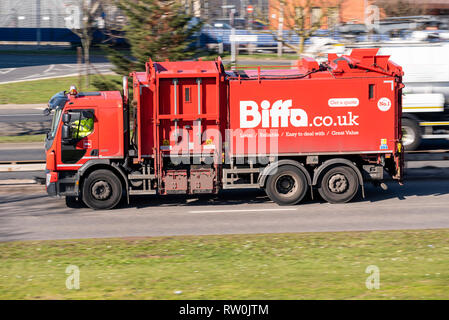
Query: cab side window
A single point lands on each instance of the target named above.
(82, 124)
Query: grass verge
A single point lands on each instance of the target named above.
(40, 91)
(23, 139)
(413, 265)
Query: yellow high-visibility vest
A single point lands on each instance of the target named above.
(83, 128)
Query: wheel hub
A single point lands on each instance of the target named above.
(338, 183)
(101, 190)
(286, 184)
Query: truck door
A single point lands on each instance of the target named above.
(83, 140)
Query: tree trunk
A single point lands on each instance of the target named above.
(86, 63)
(302, 39)
(86, 41)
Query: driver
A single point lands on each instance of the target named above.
(82, 128)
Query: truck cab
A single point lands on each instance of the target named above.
(86, 131)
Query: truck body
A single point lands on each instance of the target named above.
(196, 128)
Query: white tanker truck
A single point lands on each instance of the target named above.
(425, 103)
(426, 94)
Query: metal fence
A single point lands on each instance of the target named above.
(21, 20)
(34, 13)
(51, 14)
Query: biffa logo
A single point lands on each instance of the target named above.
(279, 115)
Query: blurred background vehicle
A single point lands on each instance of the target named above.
(219, 25)
(237, 23)
(426, 92)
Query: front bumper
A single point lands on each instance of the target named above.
(66, 186)
(52, 189)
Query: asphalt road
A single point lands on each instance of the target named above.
(419, 204)
(21, 67)
(22, 151)
(22, 175)
(16, 67)
(23, 115)
(22, 154)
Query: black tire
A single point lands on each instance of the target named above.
(411, 134)
(73, 202)
(339, 184)
(102, 190)
(287, 186)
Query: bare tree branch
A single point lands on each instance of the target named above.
(90, 14)
(304, 18)
(401, 8)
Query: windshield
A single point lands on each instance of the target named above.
(56, 103)
(54, 123)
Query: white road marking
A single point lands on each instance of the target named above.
(44, 78)
(49, 68)
(5, 71)
(36, 75)
(56, 71)
(242, 210)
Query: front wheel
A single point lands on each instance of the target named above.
(339, 184)
(102, 190)
(287, 186)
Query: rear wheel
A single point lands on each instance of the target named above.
(287, 186)
(339, 184)
(102, 189)
(411, 134)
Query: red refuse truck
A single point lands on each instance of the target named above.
(191, 127)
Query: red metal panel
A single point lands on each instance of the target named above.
(143, 95)
(175, 181)
(111, 127)
(313, 116)
(193, 112)
(201, 180)
(164, 108)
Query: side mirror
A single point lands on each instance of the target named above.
(66, 117)
(66, 132)
(46, 111)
